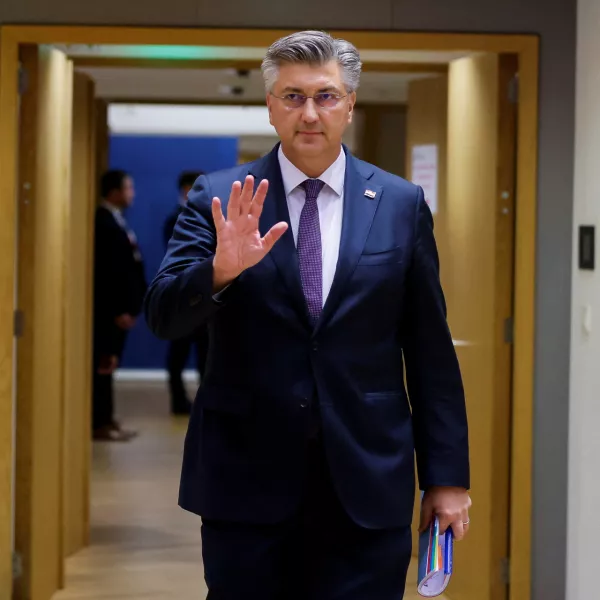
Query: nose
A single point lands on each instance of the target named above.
(309, 111)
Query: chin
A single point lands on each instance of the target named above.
(314, 143)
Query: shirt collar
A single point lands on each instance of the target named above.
(113, 209)
(117, 214)
(292, 177)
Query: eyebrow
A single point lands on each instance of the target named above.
(295, 90)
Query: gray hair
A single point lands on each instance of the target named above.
(314, 48)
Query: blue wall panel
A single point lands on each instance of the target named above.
(155, 163)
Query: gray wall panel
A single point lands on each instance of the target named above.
(337, 14)
(100, 12)
(352, 14)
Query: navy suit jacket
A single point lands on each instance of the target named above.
(244, 456)
(119, 282)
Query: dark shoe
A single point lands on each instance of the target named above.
(117, 427)
(110, 434)
(180, 406)
(181, 410)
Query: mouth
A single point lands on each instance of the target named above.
(310, 133)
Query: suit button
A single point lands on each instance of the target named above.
(196, 300)
(315, 346)
(304, 404)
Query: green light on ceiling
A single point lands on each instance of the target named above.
(176, 52)
(168, 52)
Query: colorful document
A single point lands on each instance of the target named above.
(435, 560)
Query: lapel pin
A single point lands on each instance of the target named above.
(370, 194)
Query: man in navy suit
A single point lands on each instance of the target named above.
(119, 289)
(318, 279)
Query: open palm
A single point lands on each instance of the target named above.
(239, 243)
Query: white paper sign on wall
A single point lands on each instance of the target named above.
(425, 172)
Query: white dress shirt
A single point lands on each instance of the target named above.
(331, 207)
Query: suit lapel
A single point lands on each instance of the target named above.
(359, 211)
(275, 210)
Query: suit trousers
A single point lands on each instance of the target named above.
(102, 385)
(318, 554)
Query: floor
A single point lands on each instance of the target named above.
(142, 545)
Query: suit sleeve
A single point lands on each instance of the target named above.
(432, 371)
(180, 298)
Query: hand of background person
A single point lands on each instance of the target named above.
(125, 321)
(239, 243)
(108, 364)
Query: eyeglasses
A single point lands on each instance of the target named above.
(323, 99)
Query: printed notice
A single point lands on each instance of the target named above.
(425, 172)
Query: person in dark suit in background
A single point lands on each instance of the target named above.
(179, 349)
(319, 276)
(119, 288)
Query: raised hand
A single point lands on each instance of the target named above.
(239, 243)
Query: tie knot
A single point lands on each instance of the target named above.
(312, 188)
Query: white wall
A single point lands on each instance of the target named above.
(157, 119)
(583, 530)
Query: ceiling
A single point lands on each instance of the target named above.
(213, 85)
(212, 73)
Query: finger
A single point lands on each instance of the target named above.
(465, 521)
(217, 214)
(273, 235)
(458, 529)
(246, 197)
(425, 522)
(446, 521)
(259, 199)
(426, 517)
(233, 207)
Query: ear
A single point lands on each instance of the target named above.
(351, 103)
(270, 108)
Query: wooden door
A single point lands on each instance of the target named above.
(8, 118)
(474, 224)
(43, 210)
(78, 318)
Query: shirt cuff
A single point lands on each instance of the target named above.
(217, 297)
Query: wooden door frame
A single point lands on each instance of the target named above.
(527, 49)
